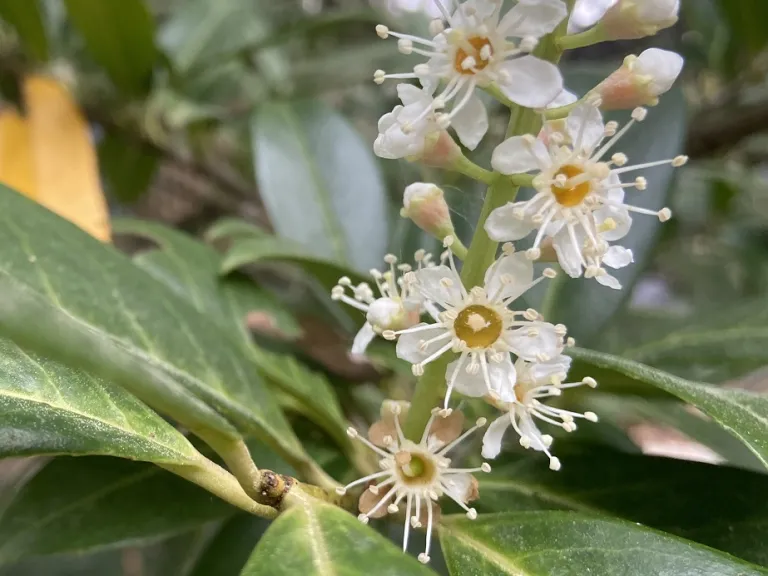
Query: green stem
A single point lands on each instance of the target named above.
(587, 38)
(560, 112)
(482, 251)
(465, 166)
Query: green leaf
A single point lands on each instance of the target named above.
(729, 345)
(569, 544)
(25, 17)
(230, 548)
(245, 251)
(127, 167)
(317, 539)
(233, 229)
(49, 408)
(191, 269)
(82, 504)
(747, 36)
(670, 495)
(121, 37)
(105, 563)
(586, 306)
(742, 413)
(200, 31)
(72, 298)
(320, 183)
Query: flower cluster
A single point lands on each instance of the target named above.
(464, 327)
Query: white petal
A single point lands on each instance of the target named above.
(503, 226)
(389, 119)
(361, 341)
(531, 82)
(517, 155)
(501, 376)
(567, 253)
(529, 429)
(533, 18)
(458, 485)
(661, 65)
(471, 122)
(585, 127)
(408, 344)
(621, 219)
(563, 99)
(608, 280)
(494, 435)
(618, 257)
(432, 283)
(530, 342)
(586, 13)
(542, 372)
(410, 94)
(516, 269)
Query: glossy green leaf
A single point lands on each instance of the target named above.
(230, 548)
(714, 505)
(120, 36)
(320, 182)
(320, 540)
(49, 408)
(82, 504)
(246, 251)
(25, 17)
(569, 544)
(743, 414)
(191, 269)
(727, 346)
(82, 302)
(586, 306)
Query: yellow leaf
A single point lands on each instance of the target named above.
(66, 171)
(17, 169)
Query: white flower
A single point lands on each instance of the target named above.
(478, 325)
(535, 382)
(640, 80)
(406, 130)
(397, 307)
(417, 473)
(426, 6)
(579, 200)
(476, 50)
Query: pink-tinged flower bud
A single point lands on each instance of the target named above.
(425, 205)
(631, 19)
(440, 151)
(640, 80)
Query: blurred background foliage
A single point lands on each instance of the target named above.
(259, 116)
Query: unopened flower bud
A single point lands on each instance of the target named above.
(640, 80)
(425, 205)
(440, 150)
(631, 19)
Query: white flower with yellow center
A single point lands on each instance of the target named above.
(478, 325)
(417, 473)
(579, 200)
(397, 307)
(535, 383)
(478, 50)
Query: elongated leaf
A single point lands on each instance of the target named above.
(191, 269)
(568, 544)
(320, 183)
(25, 17)
(48, 408)
(716, 349)
(127, 167)
(120, 36)
(245, 251)
(742, 413)
(81, 504)
(78, 300)
(586, 306)
(714, 505)
(233, 228)
(319, 540)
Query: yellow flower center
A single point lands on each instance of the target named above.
(477, 43)
(478, 326)
(571, 195)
